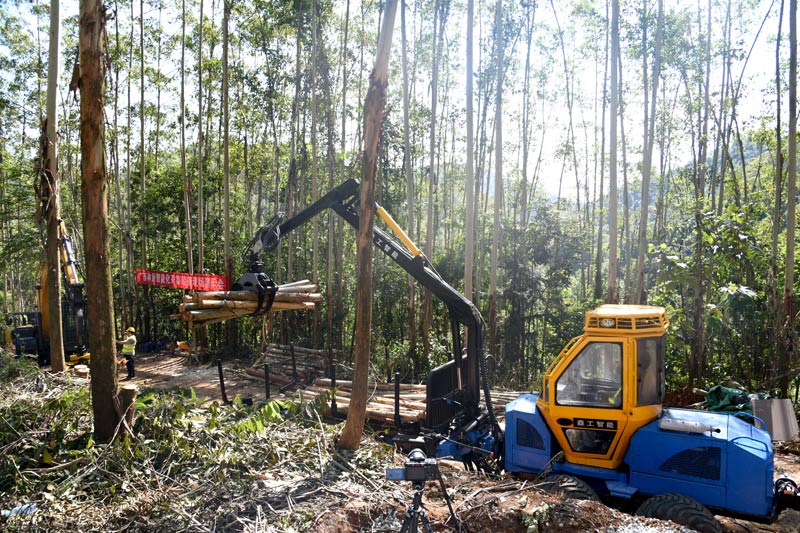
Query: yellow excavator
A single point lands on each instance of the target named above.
(73, 311)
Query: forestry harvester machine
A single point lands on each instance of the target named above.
(33, 335)
(597, 429)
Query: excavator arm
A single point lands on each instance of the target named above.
(453, 389)
(73, 303)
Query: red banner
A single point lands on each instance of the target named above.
(182, 280)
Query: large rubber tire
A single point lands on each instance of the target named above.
(681, 510)
(569, 487)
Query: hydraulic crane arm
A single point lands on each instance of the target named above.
(459, 380)
(69, 265)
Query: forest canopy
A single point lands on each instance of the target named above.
(643, 158)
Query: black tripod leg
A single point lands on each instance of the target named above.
(413, 513)
(426, 523)
(456, 524)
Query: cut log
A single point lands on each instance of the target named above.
(325, 382)
(273, 378)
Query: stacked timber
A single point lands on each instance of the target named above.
(309, 364)
(380, 404)
(203, 308)
(380, 400)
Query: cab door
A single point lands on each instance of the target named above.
(586, 404)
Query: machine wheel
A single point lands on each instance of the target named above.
(569, 487)
(681, 510)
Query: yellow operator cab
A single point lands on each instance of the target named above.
(606, 384)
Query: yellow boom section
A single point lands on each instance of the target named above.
(397, 230)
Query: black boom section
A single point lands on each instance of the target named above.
(461, 311)
(443, 382)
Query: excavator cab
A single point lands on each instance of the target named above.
(22, 325)
(606, 384)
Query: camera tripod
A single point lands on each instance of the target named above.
(416, 513)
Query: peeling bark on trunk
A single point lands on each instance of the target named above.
(374, 106)
(52, 198)
(94, 198)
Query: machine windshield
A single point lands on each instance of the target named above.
(594, 378)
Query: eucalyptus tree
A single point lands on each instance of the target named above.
(226, 194)
(20, 109)
(612, 175)
(498, 174)
(441, 9)
(187, 182)
(789, 300)
(94, 196)
(697, 359)
(409, 177)
(374, 105)
(51, 195)
(649, 141)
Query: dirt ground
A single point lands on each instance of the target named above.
(481, 504)
(505, 505)
(163, 370)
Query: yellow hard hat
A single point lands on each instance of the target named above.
(130, 330)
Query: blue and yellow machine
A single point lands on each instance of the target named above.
(601, 407)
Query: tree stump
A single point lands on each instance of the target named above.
(82, 371)
(127, 401)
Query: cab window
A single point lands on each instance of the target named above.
(594, 378)
(649, 371)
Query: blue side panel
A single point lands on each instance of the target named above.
(529, 443)
(751, 487)
(729, 466)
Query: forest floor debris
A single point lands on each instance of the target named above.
(195, 466)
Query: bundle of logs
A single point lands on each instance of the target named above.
(308, 364)
(203, 308)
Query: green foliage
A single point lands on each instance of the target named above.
(735, 316)
(185, 456)
(546, 264)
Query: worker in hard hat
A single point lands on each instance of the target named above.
(129, 351)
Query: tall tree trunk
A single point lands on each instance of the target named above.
(640, 297)
(612, 174)
(598, 264)
(94, 204)
(187, 182)
(530, 12)
(788, 357)
(201, 333)
(330, 119)
(374, 106)
(52, 196)
(427, 312)
(772, 279)
(157, 83)
(314, 168)
(123, 290)
(338, 260)
(133, 303)
(469, 193)
(697, 356)
(291, 182)
(145, 303)
(498, 177)
(230, 328)
(411, 306)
